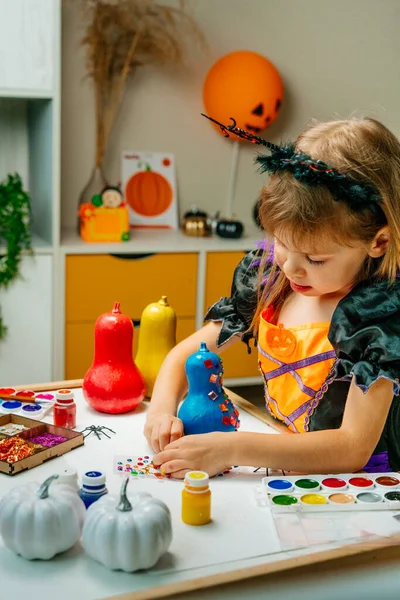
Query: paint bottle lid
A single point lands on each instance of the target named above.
(69, 477)
(64, 397)
(93, 482)
(198, 479)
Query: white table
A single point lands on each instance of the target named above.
(228, 539)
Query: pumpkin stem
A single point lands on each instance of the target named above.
(124, 504)
(163, 301)
(147, 167)
(43, 491)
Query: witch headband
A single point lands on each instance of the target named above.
(343, 186)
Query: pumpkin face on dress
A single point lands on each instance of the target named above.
(148, 193)
(281, 341)
(244, 86)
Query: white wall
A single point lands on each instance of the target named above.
(335, 57)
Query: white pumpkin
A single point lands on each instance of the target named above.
(40, 521)
(127, 535)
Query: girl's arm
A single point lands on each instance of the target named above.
(346, 449)
(343, 450)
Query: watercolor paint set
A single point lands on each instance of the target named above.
(26, 443)
(321, 493)
(25, 403)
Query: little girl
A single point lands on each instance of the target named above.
(322, 302)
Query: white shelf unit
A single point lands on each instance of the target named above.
(34, 306)
(30, 145)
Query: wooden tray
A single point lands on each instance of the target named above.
(74, 440)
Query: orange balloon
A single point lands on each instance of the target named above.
(246, 86)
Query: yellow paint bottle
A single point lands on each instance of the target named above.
(196, 499)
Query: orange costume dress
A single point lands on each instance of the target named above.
(307, 369)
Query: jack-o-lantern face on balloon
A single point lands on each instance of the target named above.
(244, 86)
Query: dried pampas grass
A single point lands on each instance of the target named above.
(122, 35)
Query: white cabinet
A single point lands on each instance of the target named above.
(30, 40)
(28, 30)
(27, 308)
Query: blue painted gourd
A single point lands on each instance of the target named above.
(206, 407)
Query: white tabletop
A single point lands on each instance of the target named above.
(241, 532)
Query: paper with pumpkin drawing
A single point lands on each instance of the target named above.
(149, 186)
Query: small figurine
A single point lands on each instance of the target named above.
(206, 407)
(111, 196)
(105, 218)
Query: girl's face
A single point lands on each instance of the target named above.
(329, 272)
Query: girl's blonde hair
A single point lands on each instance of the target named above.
(368, 151)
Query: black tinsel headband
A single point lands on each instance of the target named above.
(307, 170)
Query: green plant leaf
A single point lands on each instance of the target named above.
(15, 219)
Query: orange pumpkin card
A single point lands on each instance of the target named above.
(149, 186)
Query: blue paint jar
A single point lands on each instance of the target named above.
(93, 487)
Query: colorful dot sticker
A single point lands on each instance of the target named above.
(138, 467)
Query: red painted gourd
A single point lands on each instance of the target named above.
(113, 384)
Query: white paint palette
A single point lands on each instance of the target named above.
(322, 493)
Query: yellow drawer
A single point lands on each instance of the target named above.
(95, 282)
(79, 344)
(219, 274)
(238, 363)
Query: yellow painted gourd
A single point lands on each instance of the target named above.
(157, 336)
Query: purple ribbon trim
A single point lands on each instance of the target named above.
(300, 410)
(304, 388)
(299, 364)
(378, 463)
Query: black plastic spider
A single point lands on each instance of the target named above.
(97, 429)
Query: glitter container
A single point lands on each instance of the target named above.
(65, 409)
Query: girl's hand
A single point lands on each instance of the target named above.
(161, 429)
(209, 452)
